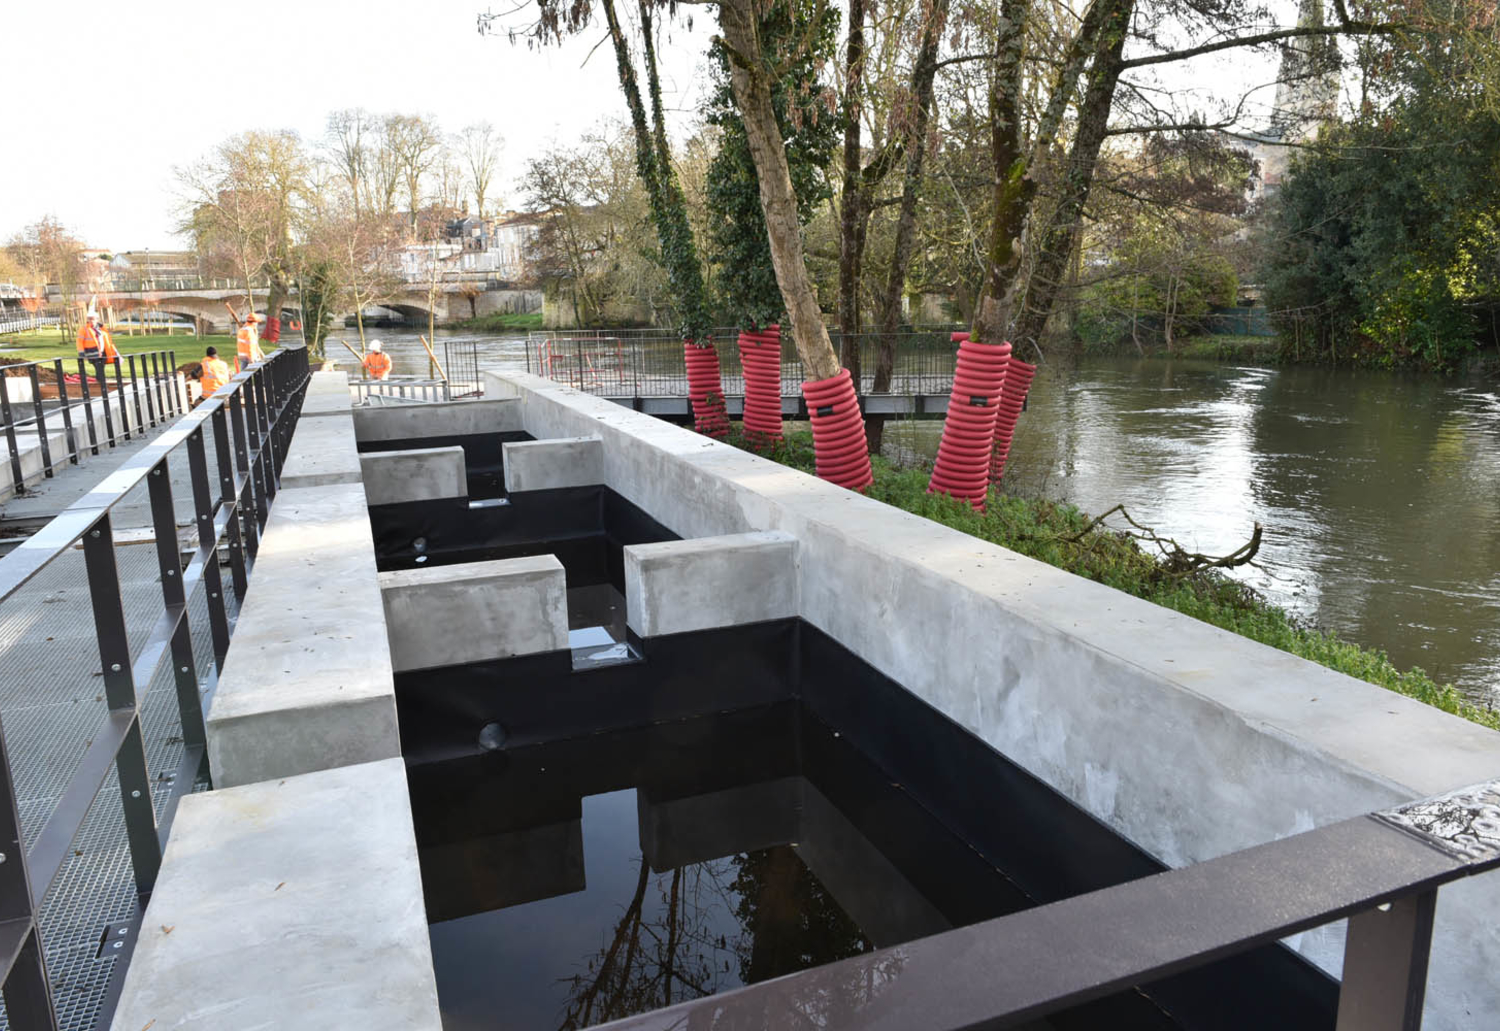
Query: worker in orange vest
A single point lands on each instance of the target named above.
(215, 371)
(247, 342)
(94, 341)
(377, 363)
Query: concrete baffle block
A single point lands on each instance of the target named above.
(676, 586)
(550, 464)
(307, 683)
(439, 419)
(323, 452)
(327, 394)
(294, 903)
(475, 611)
(420, 474)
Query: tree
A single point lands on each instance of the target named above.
(414, 143)
(479, 149)
(46, 252)
(346, 142)
(248, 196)
(751, 75)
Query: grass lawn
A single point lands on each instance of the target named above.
(47, 344)
(501, 320)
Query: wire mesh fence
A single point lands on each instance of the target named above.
(649, 362)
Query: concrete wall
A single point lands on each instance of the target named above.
(551, 464)
(443, 419)
(1191, 741)
(391, 477)
(307, 684)
(323, 452)
(475, 611)
(296, 903)
(675, 586)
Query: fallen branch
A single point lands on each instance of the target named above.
(1175, 559)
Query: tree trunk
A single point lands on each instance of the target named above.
(1014, 187)
(923, 75)
(1093, 124)
(852, 199)
(753, 95)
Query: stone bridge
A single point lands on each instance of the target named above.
(207, 303)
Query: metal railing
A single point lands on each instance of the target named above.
(247, 425)
(25, 321)
(400, 388)
(1382, 871)
(152, 395)
(649, 363)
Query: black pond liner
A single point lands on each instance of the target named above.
(557, 807)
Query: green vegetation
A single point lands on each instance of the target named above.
(1212, 346)
(501, 320)
(1382, 243)
(46, 344)
(1060, 535)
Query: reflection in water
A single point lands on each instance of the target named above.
(1379, 493)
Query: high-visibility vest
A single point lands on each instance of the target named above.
(378, 364)
(110, 354)
(248, 346)
(90, 342)
(215, 374)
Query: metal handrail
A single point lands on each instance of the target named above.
(156, 382)
(1382, 871)
(250, 421)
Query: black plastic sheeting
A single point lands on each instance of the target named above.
(1046, 847)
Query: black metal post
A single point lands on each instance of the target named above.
(119, 689)
(67, 412)
(177, 398)
(1385, 966)
(174, 596)
(17, 478)
(227, 497)
(88, 405)
(28, 996)
(135, 392)
(208, 543)
(144, 384)
(41, 419)
(120, 396)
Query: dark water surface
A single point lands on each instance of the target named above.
(1379, 492)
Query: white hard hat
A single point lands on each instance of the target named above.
(375, 345)
(92, 315)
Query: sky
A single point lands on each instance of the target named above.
(173, 78)
(176, 77)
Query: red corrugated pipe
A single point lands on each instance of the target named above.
(963, 458)
(839, 444)
(705, 388)
(760, 358)
(1012, 400)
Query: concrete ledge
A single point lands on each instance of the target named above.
(327, 394)
(549, 464)
(323, 452)
(442, 419)
(676, 586)
(307, 683)
(391, 477)
(296, 903)
(476, 611)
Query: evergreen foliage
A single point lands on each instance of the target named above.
(799, 37)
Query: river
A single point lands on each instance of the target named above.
(1379, 492)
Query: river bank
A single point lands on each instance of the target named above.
(1270, 350)
(1062, 535)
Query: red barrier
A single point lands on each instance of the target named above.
(760, 358)
(705, 388)
(963, 459)
(1012, 401)
(839, 444)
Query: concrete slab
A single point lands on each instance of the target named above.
(675, 586)
(1082, 685)
(419, 474)
(329, 384)
(323, 452)
(475, 611)
(550, 464)
(307, 683)
(295, 903)
(441, 419)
